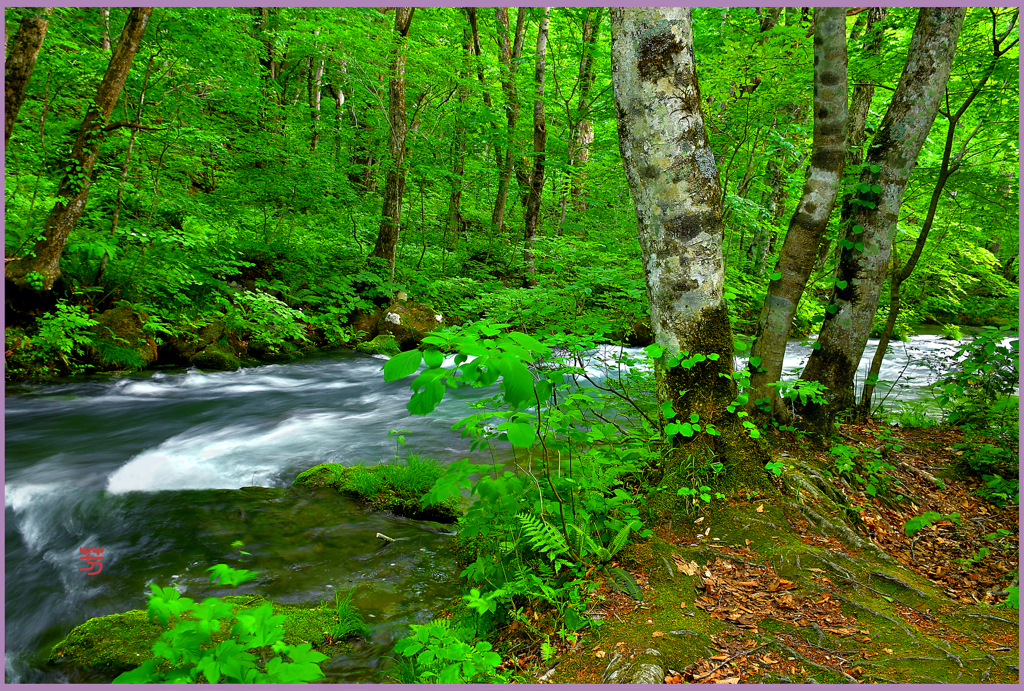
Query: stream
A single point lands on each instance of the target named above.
(166, 469)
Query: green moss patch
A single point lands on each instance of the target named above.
(384, 344)
(388, 487)
(117, 643)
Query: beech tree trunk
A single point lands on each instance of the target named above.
(486, 93)
(674, 182)
(394, 185)
(510, 54)
(40, 267)
(808, 224)
(20, 61)
(531, 216)
(315, 89)
(582, 131)
(868, 239)
(950, 165)
(860, 105)
(454, 222)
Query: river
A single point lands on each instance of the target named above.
(165, 470)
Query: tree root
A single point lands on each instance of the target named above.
(867, 609)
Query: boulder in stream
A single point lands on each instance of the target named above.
(119, 340)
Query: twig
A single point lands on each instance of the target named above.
(737, 655)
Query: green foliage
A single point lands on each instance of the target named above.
(188, 652)
(980, 391)
(350, 623)
(267, 321)
(444, 656)
(918, 523)
(62, 334)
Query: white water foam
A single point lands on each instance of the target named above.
(230, 457)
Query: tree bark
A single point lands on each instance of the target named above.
(860, 105)
(510, 54)
(867, 245)
(531, 216)
(44, 258)
(21, 60)
(394, 185)
(454, 223)
(808, 223)
(583, 131)
(950, 165)
(674, 182)
(315, 88)
(486, 92)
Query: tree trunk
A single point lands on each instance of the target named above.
(105, 16)
(510, 55)
(583, 132)
(454, 223)
(41, 266)
(950, 165)
(674, 182)
(478, 50)
(860, 105)
(315, 88)
(867, 245)
(531, 216)
(21, 60)
(394, 185)
(808, 224)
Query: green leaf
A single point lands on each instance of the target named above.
(544, 390)
(775, 275)
(841, 285)
(516, 383)
(432, 358)
(520, 434)
(859, 246)
(666, 410)
(402, 365)
(875, 169)
(755, 361)
(713, 356)
(654, 351)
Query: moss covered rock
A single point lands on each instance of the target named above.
(389, 488)
(184, 347)
(119, 341)
(118, 643)
(216, 357)
(385, 344)
(408, 322)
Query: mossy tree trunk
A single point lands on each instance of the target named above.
(674, 181)
(21, 61)
(510, 54)
(866, 247)
(808, 224)
(40, 267)
(531, 215)
(394, 184)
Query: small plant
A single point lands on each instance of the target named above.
(189, 650)
(776, 468)
(918, 523)
(35, 280)
(63, 333)
(952, 332)
(442, 655)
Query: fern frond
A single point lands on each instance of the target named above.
(543, 536)
(624, 582)
(619, 541)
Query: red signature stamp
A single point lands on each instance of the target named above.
(93, 557)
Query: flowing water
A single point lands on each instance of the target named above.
(164, 470)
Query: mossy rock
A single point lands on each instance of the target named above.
(120, 341)
(118, 643)
(216, 357)
(386, 499)
(385, 344)
(408, 322)
(185, 347)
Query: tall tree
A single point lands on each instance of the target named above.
(454, 222)
(20, 61)
(581, 127)
(674, 182)
(531, 216)
(40, 267)
(808, 224)
(950, 165)
(868, 238)
(510, 53)
(386, 246)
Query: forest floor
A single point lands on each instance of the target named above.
(750, 591)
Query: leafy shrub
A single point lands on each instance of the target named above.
(443, 655)
(189, 650)
(63, 333)
(268, 321)
(918, 523)
(979, 391)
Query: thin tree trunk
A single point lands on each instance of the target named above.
(583, 134)
(43, 261)
(950, 165)
(808, 224)
(459, 145)
(860, 105)
(674, 182)
(315, 88)
(20, 61)
(867, 245)
(510, 55)
(105, 16)
(387, 238)
(478, 50)
(540, 136)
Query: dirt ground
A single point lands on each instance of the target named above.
(779, 589)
